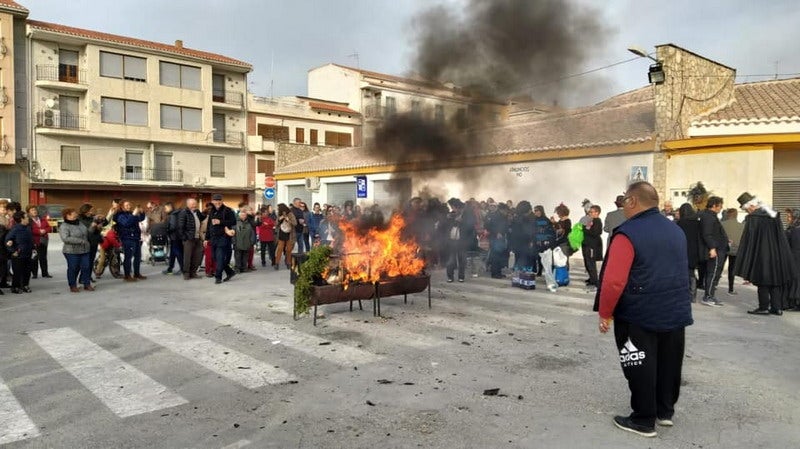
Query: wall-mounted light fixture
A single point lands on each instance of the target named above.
(655, 75)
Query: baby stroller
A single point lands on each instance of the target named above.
(158, 243)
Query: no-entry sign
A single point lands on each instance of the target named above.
(269, 182)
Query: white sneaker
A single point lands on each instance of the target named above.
(664, 422)
(552, 288)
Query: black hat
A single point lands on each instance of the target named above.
(745, 198)
(620, 200)
(216, 197)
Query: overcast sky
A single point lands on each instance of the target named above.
(284, 39)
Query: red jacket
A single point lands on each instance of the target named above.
(40, 229)
(266, 230)
(110, 240)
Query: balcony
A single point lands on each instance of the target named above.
(61, 76)
(55, 119)
(229, 137)
(227, 100)
(131, 173)
(374, 112)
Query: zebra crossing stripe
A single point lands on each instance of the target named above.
(234, 365)
(306, 343)
(15, 425)
(119, 385)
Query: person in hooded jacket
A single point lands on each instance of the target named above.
(689, 222)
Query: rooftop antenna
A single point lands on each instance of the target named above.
(776, 68)
(271, 74)
(355, 56)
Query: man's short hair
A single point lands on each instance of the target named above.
(595, 208)
(645, 193)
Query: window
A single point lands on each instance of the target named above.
(217, 166)
(177, 75)
(176, 117)
(114, 65)
(337, 139)
(299, 135)
(218, 88)
(218, 121)
(133, 165)
(162, 167)
(438, 113)
(313, 137)
(274, 132)
(416, 108)
(70, 158)
(127, 112)
(68, 112)
(391, 106)
(68, 66)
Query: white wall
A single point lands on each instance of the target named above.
(726, 175)
(334, 83)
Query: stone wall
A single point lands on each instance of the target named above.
(693, 86)
(290, 153)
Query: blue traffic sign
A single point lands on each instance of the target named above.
(361, 186)
(269, 193)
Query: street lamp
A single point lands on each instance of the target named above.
(656, 72)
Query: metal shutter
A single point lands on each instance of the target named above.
(298, 192)
(340, 192)
(785, 195)
(392, 193)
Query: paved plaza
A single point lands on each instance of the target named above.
(168, 363)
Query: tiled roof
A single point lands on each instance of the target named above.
(760, 101)
(9, 4)
(332, 107)
(399, 79)
(113, 38)
(591, 127)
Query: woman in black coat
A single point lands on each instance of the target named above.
(791, 300)
(690, 224)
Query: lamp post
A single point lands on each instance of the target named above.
(656, 72)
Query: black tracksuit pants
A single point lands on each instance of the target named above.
(652, 363)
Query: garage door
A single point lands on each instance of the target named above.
(785, 195)
(392, 193)
(299, 192)
(340, 192)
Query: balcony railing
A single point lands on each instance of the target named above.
(222, 96)
(229, 137)
(62, 72)
(378, 112)
(53, 118)
(132, 173)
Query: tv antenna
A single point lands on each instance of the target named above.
(355, 57)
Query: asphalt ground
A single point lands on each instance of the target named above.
(168, 363)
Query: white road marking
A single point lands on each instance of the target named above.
(310, 344)
(15, 424)
(119, 385)
(237, 445)
(234, 365)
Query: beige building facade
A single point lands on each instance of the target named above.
(121, 117)
(13, 112)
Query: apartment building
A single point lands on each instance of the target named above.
(285, 130)
(379, 97)
(115, 116)
(12, 98)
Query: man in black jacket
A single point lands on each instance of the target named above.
(713, 248)
(222, 222)
(188, 231)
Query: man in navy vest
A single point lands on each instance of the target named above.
(644, 286)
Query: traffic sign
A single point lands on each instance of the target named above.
(361, 186)
(269, 182)
(269, 193)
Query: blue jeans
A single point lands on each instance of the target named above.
(301, 243)
(78, 263)
(222, 257)
(175, 252)
(132, 249)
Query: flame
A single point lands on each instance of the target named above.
(377, 254)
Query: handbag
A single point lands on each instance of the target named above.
(286, 226)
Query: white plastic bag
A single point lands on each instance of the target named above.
(559, 258)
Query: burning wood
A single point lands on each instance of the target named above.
(374, 255)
